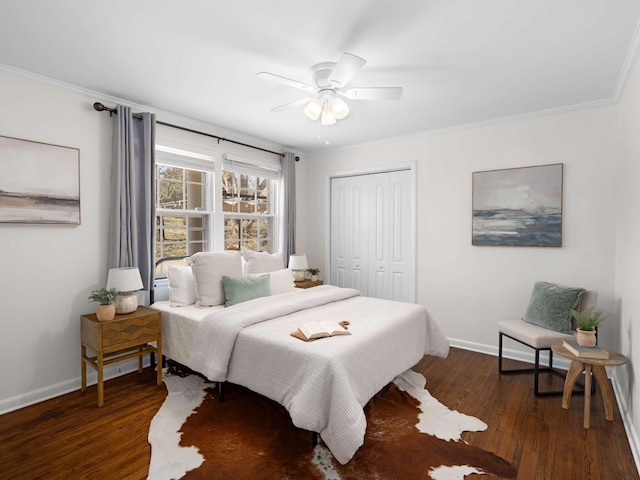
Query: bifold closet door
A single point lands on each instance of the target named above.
(349, 237)
(372, 234)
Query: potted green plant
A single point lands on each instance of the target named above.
(106, 298)
(588, 321)
(314, 273)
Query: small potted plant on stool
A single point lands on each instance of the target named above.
(588, 322)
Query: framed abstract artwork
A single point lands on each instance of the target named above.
(40, 183)
(518, 206)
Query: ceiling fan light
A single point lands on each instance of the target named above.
(339, 108)
(313, 109)
(328, 118)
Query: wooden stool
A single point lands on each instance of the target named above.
(589, 365)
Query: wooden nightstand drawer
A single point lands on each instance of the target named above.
(126, 336)
(121, 334)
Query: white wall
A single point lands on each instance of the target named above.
(468, 289)
(628, 249)
(47, 271)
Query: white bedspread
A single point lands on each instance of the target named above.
(324, 384)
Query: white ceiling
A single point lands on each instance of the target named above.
(460, 62)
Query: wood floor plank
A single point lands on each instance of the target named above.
(70, 438)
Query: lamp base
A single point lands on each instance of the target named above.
(126, 302)
(298, 275)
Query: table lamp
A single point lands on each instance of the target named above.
(126, 281)
(298, 264)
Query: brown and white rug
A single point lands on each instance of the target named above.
(410, 435)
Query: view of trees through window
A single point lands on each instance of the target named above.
(185, 214)
(247, 207)
(181, 199)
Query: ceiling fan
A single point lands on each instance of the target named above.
(330, 81)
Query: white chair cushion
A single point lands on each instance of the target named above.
(533, 335)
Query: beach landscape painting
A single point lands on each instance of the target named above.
(39, 183)
(518, 206)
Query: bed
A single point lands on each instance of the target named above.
(323, 384)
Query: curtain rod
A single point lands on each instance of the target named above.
(112, 111)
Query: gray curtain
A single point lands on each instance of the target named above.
(131, 235)
(288, 206)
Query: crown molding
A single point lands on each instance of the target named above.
(629, 64)
(468, 126)
(166, 116)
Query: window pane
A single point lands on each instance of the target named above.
(250, 245)
(180, 188)
(173, 228)
(231, 229)
(262, 206)
(180, 235)
(229, 205)
(249, 228)
(232, 245)
(247, 207)
(263, 227)
(251, 196)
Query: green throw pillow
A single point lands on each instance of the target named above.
(238, 290)
(550, 306)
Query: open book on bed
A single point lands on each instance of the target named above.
(314, 330)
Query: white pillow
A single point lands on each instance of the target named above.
(280, 281)
(208, 270)
(262, 262)
(182, 290)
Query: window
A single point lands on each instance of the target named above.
(183, 206)
(187, 190)
(180, 225)
(247, 203)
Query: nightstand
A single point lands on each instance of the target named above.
(308, 283)
(126, 336)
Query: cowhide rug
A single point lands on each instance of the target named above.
(410, 435)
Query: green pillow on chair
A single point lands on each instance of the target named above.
(550, 306)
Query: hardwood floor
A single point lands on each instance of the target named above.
(70, 438)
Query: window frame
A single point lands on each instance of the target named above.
(269, 217)
(212, 211)
(186, 161)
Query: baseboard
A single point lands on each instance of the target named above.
(51, 391)
(632, 434)
(562, 363)
(529, 357)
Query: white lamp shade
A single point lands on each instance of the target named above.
(126, 279)
(327, 117)
(298, 262)
(339, 108)
(313, 109)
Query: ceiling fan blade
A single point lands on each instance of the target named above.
(287, 106)
(285, 81)
(373, 93)
(345, 69)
